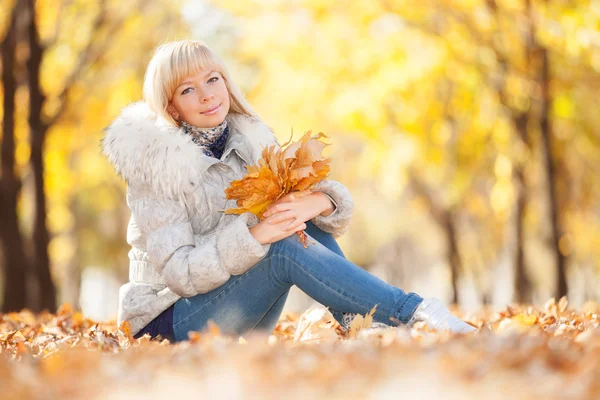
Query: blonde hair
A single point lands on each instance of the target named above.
(174, 61)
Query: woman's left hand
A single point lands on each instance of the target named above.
(303, 206)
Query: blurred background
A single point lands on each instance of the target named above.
(467, 131)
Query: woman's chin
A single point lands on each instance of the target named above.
(209, 121)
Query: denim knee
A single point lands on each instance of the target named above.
(283, 245)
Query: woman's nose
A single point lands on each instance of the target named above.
(205, 97)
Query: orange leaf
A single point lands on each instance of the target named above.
(125, 328)
(296, 166)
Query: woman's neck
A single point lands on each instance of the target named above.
(208, 132)
(212, 140)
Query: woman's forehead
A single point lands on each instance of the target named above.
(201, 75)
(195, 68)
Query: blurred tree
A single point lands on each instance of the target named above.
(14, 260)
(519, 55)
(85, 60)
(484, 91)
(37, 130)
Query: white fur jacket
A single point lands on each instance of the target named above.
(182, 243)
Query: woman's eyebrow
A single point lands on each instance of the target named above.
(189, 82)
(182, 84)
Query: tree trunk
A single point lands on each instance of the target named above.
(38, 130)
(15, 261)
(523, 286)
(447, 223)
(71, 284)
(522, 281)
(445, 219)
(551, 176)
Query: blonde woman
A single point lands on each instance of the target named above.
(189, 262)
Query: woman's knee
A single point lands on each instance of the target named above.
(326, 239)
(288, 248)
(286, 243)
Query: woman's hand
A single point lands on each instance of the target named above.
(299, 206)
(289, 214)
(266, 232)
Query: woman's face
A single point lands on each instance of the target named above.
(201, 100)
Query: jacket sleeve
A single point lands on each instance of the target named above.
(337, 222)
(193, 264)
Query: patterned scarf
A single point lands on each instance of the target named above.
(212, 140)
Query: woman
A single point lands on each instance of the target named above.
(179, 150)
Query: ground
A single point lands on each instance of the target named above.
(521, 352)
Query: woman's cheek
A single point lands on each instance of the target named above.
(188, 107)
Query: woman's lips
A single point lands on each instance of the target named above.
(211, 111)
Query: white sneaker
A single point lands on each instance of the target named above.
(438, 317)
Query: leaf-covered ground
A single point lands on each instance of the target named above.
(521, 352)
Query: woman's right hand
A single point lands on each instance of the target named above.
(264, 232)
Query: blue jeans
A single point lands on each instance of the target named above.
(254, 300)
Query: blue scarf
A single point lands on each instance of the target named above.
(212, 140)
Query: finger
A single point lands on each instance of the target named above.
(277, 208)
(290, 197)
(300, 194)
(291, 225)
(295, 195)
(288, 225)
(304, 193)
(295, 226)
(280, 217)
(301, 227)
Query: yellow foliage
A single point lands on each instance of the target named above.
(294, 167)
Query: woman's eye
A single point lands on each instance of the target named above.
(186, 90)
(216, 78)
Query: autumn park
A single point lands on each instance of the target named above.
(466, 131)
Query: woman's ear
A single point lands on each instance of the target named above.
(173, 112)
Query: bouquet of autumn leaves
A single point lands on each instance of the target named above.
(296, 166)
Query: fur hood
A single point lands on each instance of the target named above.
(147, 151)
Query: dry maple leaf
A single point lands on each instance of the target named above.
(64, 309)
(125, 328)
(293, 167)
(359, 322)
(315, 325)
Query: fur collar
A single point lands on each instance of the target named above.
(147, 152)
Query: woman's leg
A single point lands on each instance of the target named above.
(269, 321)
(327, 240)
(239, 304)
